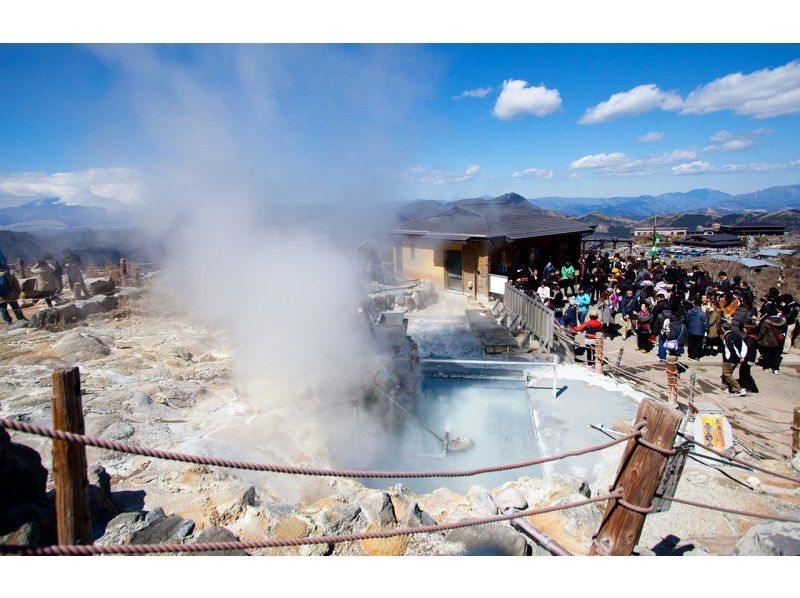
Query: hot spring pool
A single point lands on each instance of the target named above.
(507, 421)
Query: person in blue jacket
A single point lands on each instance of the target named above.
(697, 326)
(583, 300)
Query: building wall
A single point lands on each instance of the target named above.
(425, 259)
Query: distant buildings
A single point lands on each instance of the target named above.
(664, 231)
(710, 240)
(753, 228)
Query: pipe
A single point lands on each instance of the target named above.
(406, 413)
(534, 533)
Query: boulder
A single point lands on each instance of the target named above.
(216, 533)
(22, 476)
(773, 538)
(337, 518)
(76, 346)
(119, 430)
(482, 500)
(48, 318)
(416, 517)
(97, 304)
(100, 286)
(69, 312)
(379, 508)
(492, 539)
(509, 499)
(129, 293)
(173, 528)
(290, 527)
(394, 546)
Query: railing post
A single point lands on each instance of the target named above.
(598, 353)
(672, 379)
(136, 276)
(619, 358)
(73, 522)
(692, 385)
(796, 432)
(638, 477)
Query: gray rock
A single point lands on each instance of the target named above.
(28, 534)
(337, 518)
(97, 304)
(510, 498)
(379, 508)
(416, 517)
(76, 346)
(129, 293)
(119, 430)
(482, 500)
(18, 325)
(126, 519)
(103, 508)
(99, 286)
(48, 318)
(169, 529)
(215, 534)
(30, 523)
(69, 312)
(773, 538)
(276, 509)
(154, 516)
(22, 476)
(493, 539)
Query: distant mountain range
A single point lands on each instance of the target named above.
(55, 213)
(636, 208)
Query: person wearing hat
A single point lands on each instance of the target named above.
(734, 353)
(570, 317)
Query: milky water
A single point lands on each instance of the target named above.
(508, 423)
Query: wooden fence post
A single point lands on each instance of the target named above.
(136, 276)
(638, 478)
(598, 353)
(619, 358)
(672, 379)
(73, 522)
(796, 432)
(123, 266)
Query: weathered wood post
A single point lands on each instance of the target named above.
(672, 379)
(136, 276)
(619, 358)
(123, 266)
(21, 268)
(638, 477)
(598, 353)
(73, 522)
(796, 432)
(692, 385)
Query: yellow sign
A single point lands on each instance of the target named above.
(713, 432)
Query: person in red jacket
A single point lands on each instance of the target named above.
(590, 328)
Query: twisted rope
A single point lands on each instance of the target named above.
(291, 469)
(86, 550)
(693, 503)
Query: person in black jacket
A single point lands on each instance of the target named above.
(734, 353)
(746, 380)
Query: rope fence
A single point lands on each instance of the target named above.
(78, 550)
(295, 470)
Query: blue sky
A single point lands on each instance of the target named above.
(314, 123)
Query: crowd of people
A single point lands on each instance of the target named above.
(49, 273)
(669, 308)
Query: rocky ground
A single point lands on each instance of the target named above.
(152, 378)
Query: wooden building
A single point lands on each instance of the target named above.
(458, 249)
(711, 241)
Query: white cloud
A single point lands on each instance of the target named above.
(478, 92)
(761, 167)
(518, 99)
(678, 155)
(599, 161)
(83, 187)
(727, 141)
(538, 173)
(762, 94)
(443, 177)
(640, 99)
(696, 167)
(652, 136)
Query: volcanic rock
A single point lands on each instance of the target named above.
(97, 304)
(69, 312)
(511, 499)
(773, 538)
(99, 286)
(48, 318)
(169, 529)
(77, 346)
(482, 500)
(215, 534)
(492, 539)
(22, 476)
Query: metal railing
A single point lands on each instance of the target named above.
(536, 317)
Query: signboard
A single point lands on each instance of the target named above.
(712, 430)
(497, 284)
